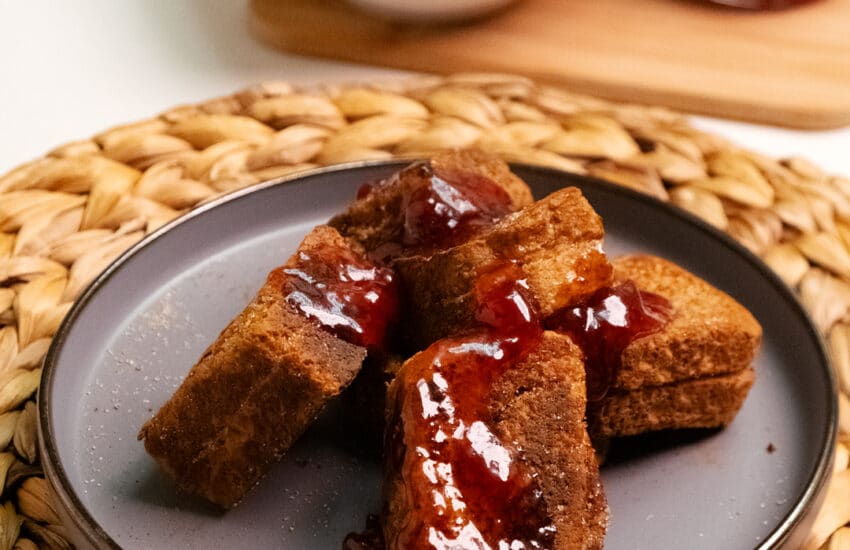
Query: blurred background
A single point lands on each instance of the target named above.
(72, 69)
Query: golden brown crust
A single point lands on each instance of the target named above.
(250, 396)
(702, 403)
(489, 166)
(378, 218)
(538, 406)
(711, 333)
(557, 241)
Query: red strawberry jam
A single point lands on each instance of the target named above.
(439, 208)
(366, 189)
(344, 292)
(469, 488)
(604, 324)
(451, 208)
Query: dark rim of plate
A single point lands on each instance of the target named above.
(98, 537)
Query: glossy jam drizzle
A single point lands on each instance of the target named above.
(606, 323)
(366, 189)
(452, 207)
(344, 292)
(440, 208)
(467, 488)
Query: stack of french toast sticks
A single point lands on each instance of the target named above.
(498, 340)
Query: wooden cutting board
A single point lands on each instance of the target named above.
(790, 68)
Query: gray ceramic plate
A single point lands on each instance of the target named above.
(133, 335)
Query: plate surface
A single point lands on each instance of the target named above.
(134, 334)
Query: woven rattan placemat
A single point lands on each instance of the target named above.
(64, 217)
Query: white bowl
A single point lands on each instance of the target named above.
(430, 11)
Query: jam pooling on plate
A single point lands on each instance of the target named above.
(604, 324)
(344, 292)
(467, 488)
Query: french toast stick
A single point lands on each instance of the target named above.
(693, 373)
(708, 402)
(378, 218)
(710, 334)
(538, 407)
(557, 241)
(255, 389)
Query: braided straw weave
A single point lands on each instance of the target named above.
(64, 217)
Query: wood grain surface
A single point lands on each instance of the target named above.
(789, 68)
